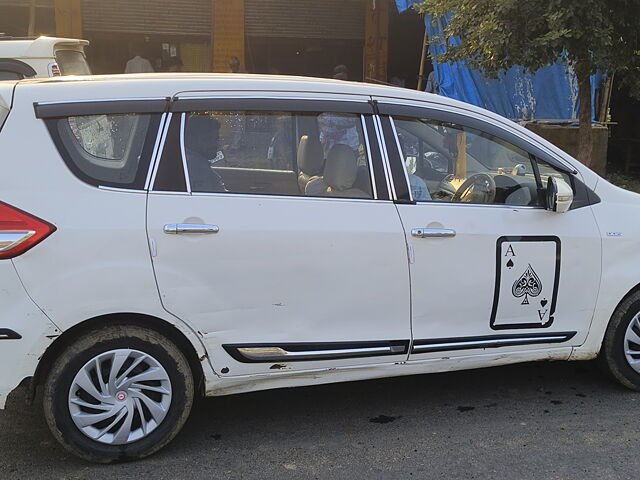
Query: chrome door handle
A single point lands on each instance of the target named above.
(175, 228)
(433, 233)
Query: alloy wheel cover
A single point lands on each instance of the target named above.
(632, 343)
(120, 396)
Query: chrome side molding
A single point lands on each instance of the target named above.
(247, 353)
(491, 341)
(291, 352)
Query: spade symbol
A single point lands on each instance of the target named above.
(510, 264)
(528, 284)
(543, 302)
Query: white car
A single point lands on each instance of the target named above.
(167, 236)
(42, 57)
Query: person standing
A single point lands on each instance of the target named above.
(234, 65)
(432, 84)
(138, 64)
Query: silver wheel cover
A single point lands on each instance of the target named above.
(632, 343)
(119, 396)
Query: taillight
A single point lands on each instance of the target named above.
(54, 70)
(19, 231)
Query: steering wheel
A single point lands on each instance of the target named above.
(478, 188)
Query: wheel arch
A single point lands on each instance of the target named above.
(631, 292)
(143, 320)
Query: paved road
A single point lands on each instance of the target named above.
(547, 421)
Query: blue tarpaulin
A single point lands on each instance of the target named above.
(549, 94)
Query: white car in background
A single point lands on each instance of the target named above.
(42, 57)
(343, 232)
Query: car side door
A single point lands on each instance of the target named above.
(490, 266)
(275, 237)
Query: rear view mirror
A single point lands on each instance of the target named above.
(559, 195)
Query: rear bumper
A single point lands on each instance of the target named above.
(25, 332)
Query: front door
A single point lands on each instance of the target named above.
(490, 266)
(275, 238)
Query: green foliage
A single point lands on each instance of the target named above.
(498, 34)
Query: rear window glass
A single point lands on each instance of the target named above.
(106, 150)
(72, 62)
(4, 75)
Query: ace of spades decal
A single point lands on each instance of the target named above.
(528, 284)
(527, 277)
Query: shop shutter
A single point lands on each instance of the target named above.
(26, 3)
(167, 17)
(338, 19)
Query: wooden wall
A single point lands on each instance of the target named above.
(376, 44)
(68, 18)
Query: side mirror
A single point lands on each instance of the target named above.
(559, 195)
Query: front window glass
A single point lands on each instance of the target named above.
(277, 153)
(547, 171)
(448, 162)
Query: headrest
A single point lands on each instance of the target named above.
(510, 192)
(341, 169)
(310, 155)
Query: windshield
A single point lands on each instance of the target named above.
(72, 62)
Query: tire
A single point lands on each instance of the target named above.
(612, 357)
(147, 424)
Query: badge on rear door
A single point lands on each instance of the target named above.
(526, 288)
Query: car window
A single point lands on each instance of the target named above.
(5, 75)
(318, 154)
(106, 149)
(72, 62)
(547, 171)
(449, 162)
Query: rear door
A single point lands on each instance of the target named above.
(273, 234)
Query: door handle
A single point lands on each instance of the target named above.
(175, 228)
(433, 233)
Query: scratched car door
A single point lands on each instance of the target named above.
(275, 276)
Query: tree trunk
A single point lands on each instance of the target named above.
(585, 131)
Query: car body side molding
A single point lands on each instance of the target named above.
(488, 341)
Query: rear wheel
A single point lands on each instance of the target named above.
(118, 393)
(620, 353)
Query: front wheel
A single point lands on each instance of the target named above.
(118, 393)
(620, 353)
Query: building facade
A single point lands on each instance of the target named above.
(300, 37)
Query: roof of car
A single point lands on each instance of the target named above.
(41, 47)
(146, 85)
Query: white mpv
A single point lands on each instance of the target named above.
(167, 236)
